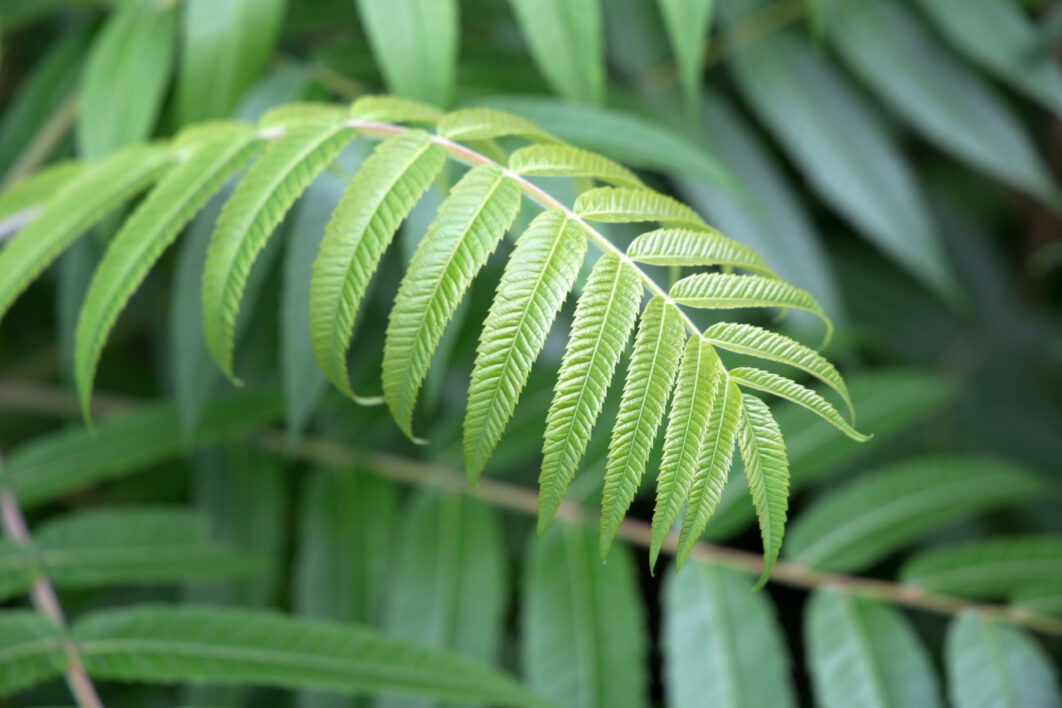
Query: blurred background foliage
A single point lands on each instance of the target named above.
(896, 158)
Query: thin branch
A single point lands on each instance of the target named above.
(46, 602)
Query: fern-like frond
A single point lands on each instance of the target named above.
(568, 161)
(261, 199)
(717, 455)
(536, 280)
(628, 205)
(78, 205)
(469, 124)
(466, 230)
(604, 317)
(695, 247)
(654, 361)
(715, 291)
(790, 390)
(767, 473)
(146, 234)
(987, 568)
(379, 197)
(695, 389)
(395, 109)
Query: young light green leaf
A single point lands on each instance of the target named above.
(790, 390)
(31, 650)
(687, 24)
(722, 644)
(986, 568)
(129, 66)
(890, 48)
(695, 389)
(466, 230)
(878, 513)
(145, 235)
(767, 474)
(21, 202)
(717, 454)
(863, 652)
(993, 663)
(470, 124)
(395, 109)
(725, 291)
(568, 161)
(261, 199)
(79, 204)
(381, 194)
(650, 376)
(604, 317)
(753, 341)
(695, 247)
(223, 50)
(415, 44)
(582, 622)
(1001, 37)
(624, 204)
(565, 37)
(537, 278)
(161, 644)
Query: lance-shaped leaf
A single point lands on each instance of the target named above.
(84, 200)
(864, 653)
(261, 199)
(1041, 597)
(568, 161)
(627, 204)
(687, 27)
(695, 390)
(145, 235)
(470, 124)
(31, 650)
(993, 663)
(538, 276)
(160, 644)
(466, 230)
(381, 194)
(395, 109)
(986, 568)
(21, 202)
(654, 361)
(792, 391)
(716, 291)
(695, 247)
(767, 474)
(717, 454)
(565, 37)
(604, 317)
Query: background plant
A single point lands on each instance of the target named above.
(843, 149)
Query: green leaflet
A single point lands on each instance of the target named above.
(879, 512)
(261, 199)
(626, 204)
(31, 650)
(537, 278)
(754, 341)
(381, 194)
(145, 235)
(469, 124)
(584, 639)
(726, 291)
(864, 653)
(767, 473)
(161, 644)
(695, 247)
(722, 644)
(1044, 598)
(687, 24)
(604, 317)
(986, 568)
(992, 663)
(717, 455)
(85, 199)
(568, 161)
(792, 391)
(113, 78)
(394, 109)
(654, 361)
(20, 203)
(466, 230)
(415, 43)
(697, 385)
(565, 37)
